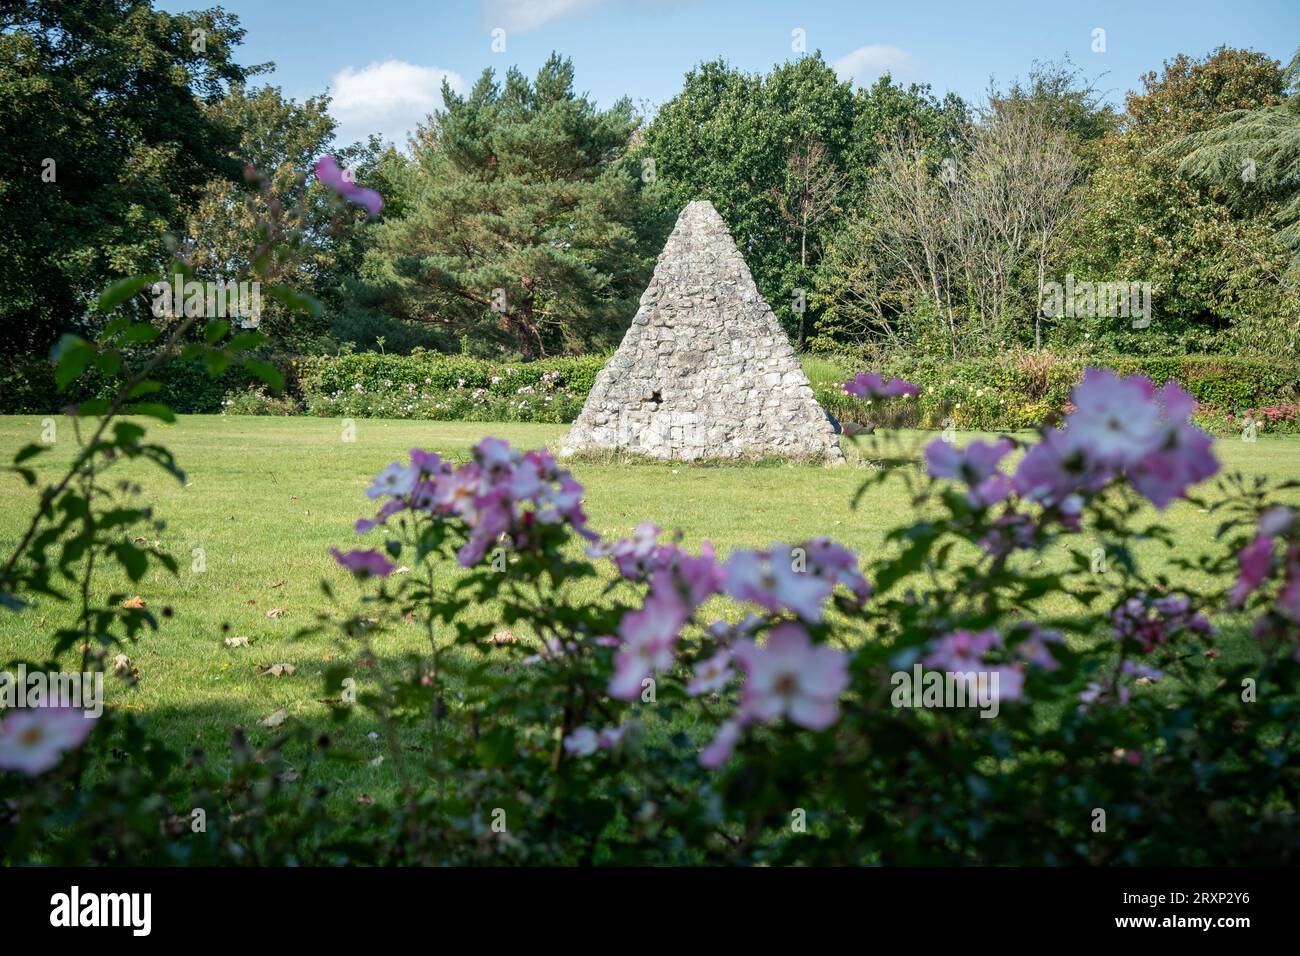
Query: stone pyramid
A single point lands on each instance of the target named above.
(705, 371)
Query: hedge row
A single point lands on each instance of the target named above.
(27, 386)
(1022, 390)
(1015, 391)
(436, 373)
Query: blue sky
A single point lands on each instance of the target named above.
(384, 59)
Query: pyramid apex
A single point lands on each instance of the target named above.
(699, 208)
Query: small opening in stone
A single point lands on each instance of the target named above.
(657, 398)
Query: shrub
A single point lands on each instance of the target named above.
(1021, 389)
(27, 385)
(653, 724)
(256, 401)
(432, 386)
(440, 373)
(645, 728)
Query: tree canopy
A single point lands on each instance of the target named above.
(104, 144)
(521, 226)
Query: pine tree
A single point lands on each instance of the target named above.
(522, 228)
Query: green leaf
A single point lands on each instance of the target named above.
(267, 372)
(127, 433)
(94, 406)
(295, 301)
(152, 410)
(108, 363)
(113, 326)
(148, 386)
(28, 452)
(72, 354)
(496, 748)
(134, 561)
(121, 290)
(216, 363)
(245, 341)
(216, 331)
(139, 332)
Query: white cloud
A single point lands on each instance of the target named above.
(524, 15)
(867, 63)
(387, 98)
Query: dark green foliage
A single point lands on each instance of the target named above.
(113, 93)
(1253, 155)
(521, 221)
(728, 137)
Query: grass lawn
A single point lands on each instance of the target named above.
(266, 497)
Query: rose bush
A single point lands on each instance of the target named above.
(584, 700)
(748, 709)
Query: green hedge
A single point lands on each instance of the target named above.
(435, 372)
(27, 386)
(1021, 390)
(430, 385)
(1014, 391)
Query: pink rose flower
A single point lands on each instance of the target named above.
(1255, 561)
(962, 651)
(972, 464)
(770, 580)
(395, 480)
(871, 385)
(650, 640)
(1115, 418)
(839, 565)
(329, 175)
(364, 563)
(1276, 521)
(723, 745)
(791, 677)
(33, 741)
(582, 742)
(711, 675)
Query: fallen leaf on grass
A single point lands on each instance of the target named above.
(278, 670)
(276, 612)
(278, 584)
(237, 642)
(132, 604)
(276, 719)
